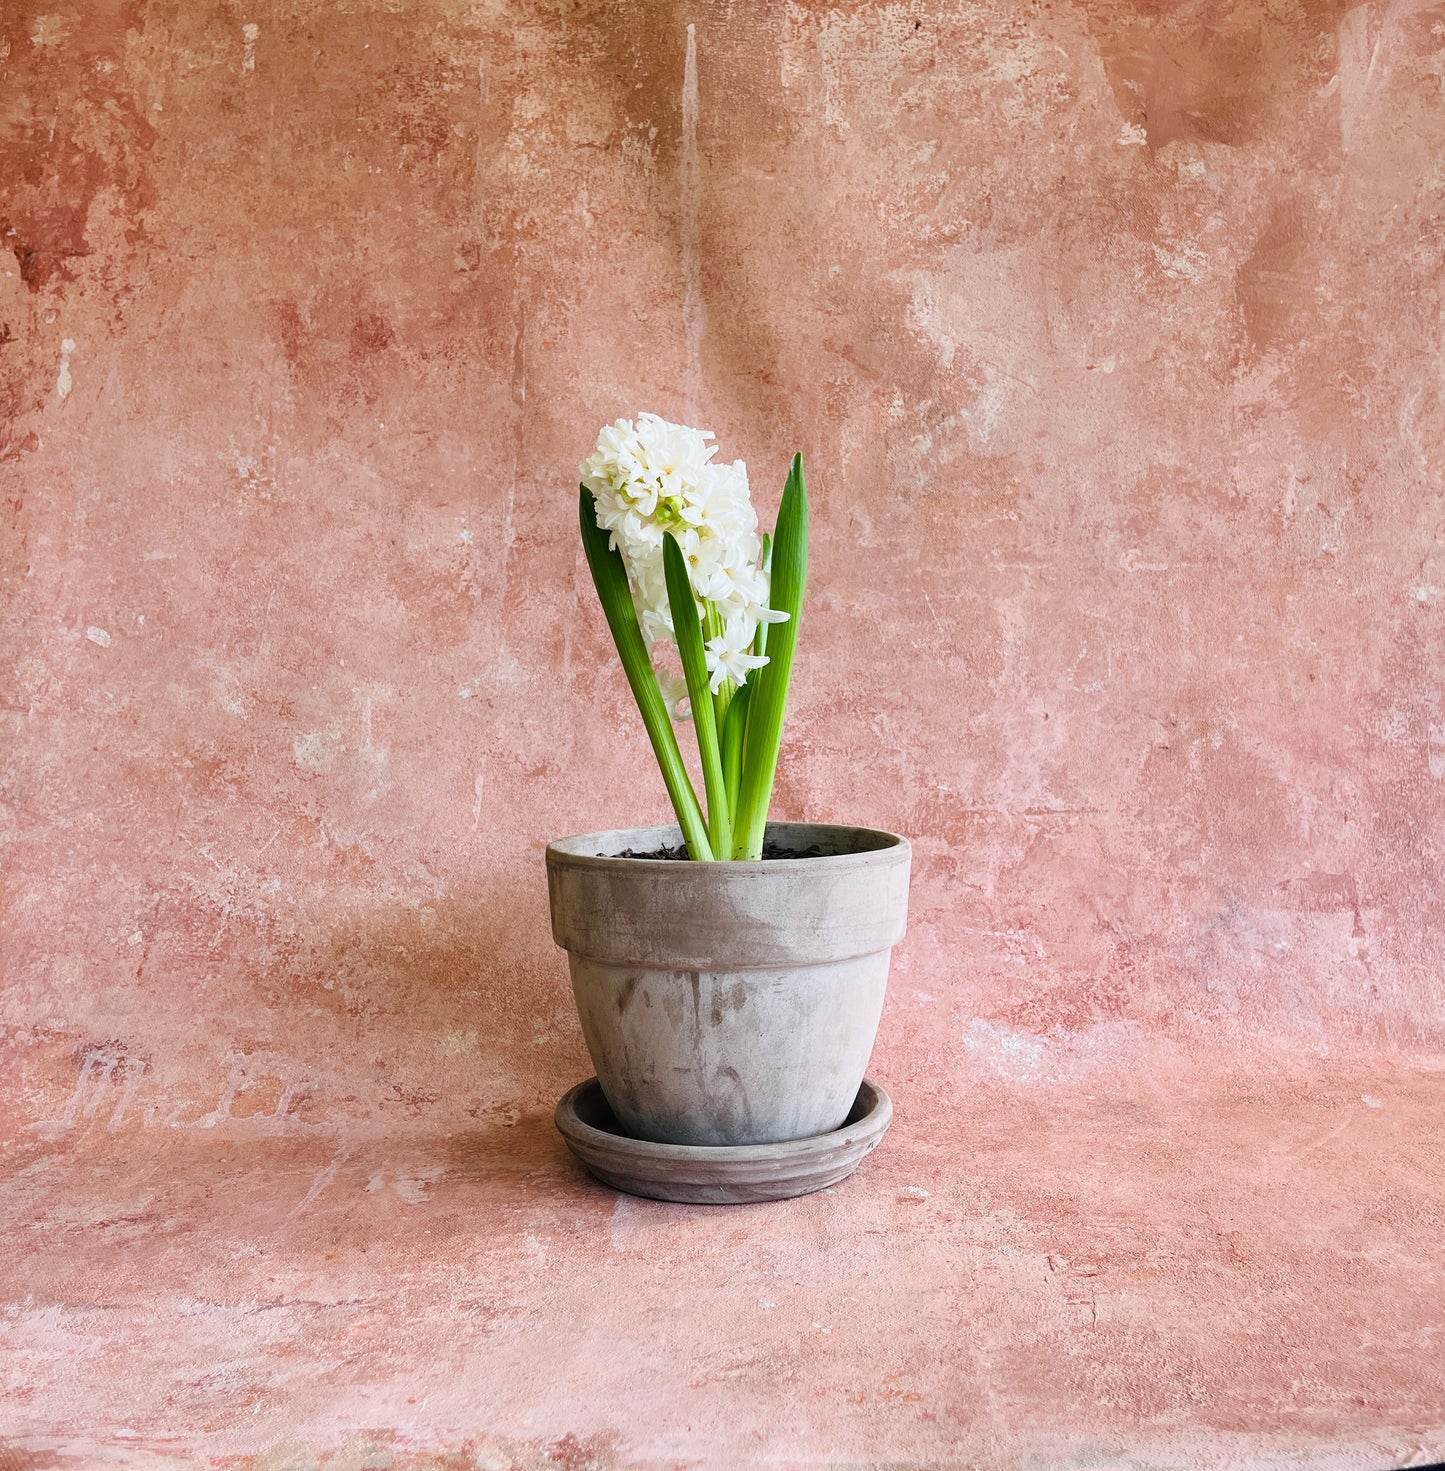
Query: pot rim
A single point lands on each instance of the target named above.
(573, 851)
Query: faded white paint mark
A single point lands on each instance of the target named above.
(49, 30)
(413, 1188)
(1133, 135)
(96, 1070)
(623, 1221)
(922, 316)
(1182, 262)
(839, 43)
(1435, 750)
(226, 687)
(1357, 55)
(105, 1069)
(984, 415)
(1327, 1138)
(692, 305)
(319, 1182)
(309, 750)
(134, 1071)
(63, 383)
(477, 787)
(98, 636)
(1003, 1051)
(250, 34)
(1370, 1101)
(221, 1114)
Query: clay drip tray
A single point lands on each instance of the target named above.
(731, 1174)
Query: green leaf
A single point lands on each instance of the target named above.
(610, 577)
(687, 634)
(769, 685)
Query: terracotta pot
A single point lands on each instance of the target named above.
(730, 1003)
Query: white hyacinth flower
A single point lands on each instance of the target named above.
(650, 478)
(730, 655)
(674, 694)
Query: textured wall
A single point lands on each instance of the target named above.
(1111, 334)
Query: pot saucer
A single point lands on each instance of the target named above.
(730, 1174)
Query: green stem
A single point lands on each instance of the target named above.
(687, 634)
(712, 626)
(733, 730)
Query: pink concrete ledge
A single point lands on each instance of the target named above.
(1225, 1272)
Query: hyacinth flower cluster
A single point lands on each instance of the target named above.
(673, 544)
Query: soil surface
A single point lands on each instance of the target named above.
(679, 853)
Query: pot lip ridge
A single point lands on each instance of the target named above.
(573, 852)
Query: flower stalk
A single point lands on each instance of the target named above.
(687, 631)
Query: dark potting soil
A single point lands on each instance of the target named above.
(678, 853)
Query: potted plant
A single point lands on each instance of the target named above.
(729, 973)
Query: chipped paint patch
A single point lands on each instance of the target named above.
(63, 381)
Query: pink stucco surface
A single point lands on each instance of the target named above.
(1112, 334)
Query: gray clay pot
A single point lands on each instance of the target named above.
(730, 1003)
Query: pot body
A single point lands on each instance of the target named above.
(730, 1003)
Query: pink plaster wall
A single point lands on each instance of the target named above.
(1112, 336)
